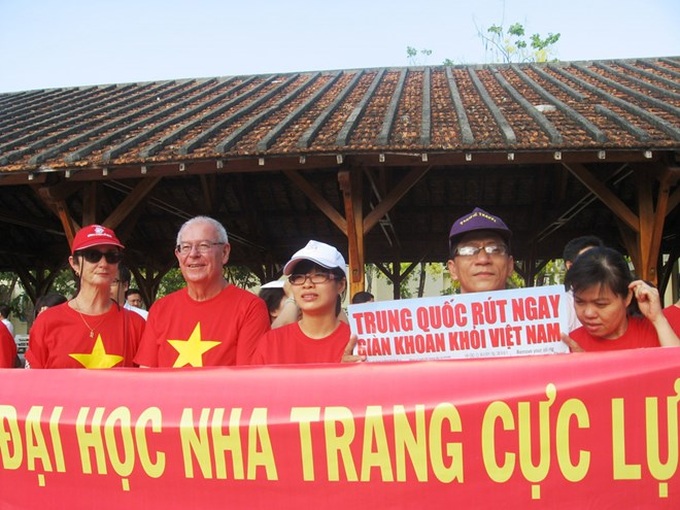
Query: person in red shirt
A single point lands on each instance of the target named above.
(210, 322)
(8, 349)
(90, 330)
(318, 281)
(605, 295)
(672, 314)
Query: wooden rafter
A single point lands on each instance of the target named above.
(614, 203)
(319, 201)
(393, 197)
(136, 197)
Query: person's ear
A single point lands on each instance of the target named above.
(453, 270)
(629, 297)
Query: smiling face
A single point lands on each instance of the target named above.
(202, 263)
(481, 272)
(601, 311)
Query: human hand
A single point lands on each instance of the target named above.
(348, 356)
(571, 343)
(647, 298)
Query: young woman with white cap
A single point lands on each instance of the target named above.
(91, 330)
(318, 281)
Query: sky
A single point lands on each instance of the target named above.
(68, 43)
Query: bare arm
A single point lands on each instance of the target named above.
(649, 303)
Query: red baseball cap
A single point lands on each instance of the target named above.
(94, 235)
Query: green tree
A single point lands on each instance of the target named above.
(414, 55)
(511, 44)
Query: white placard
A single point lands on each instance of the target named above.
(515, 322)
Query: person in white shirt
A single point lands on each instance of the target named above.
(571, 251)
(4, 318)
(119, 288)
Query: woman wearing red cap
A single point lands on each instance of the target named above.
(90, 330)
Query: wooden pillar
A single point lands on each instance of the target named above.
(352, 194)
(641, 232)
(652, 218)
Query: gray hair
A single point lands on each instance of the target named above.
(219, 228)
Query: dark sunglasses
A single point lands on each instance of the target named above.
(94, 256)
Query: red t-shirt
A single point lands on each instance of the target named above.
(8, 349)
(672, 314)
(59, 338)
(221, 331)
(288, 344)
(640, 333)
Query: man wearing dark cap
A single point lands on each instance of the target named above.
(479, 247)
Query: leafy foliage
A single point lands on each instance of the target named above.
(14, 294)
(414, 55)
(511, 45)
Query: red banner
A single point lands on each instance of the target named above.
(561, 431)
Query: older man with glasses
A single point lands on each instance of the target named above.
(479, 247)
(210, 322)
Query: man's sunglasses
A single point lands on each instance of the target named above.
(94, 256)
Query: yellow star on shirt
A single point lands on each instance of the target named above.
(98, 357)
(191, 350)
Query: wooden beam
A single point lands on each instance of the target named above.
(59, 207)
(61, 190)
(629, 241)
(317, 200)
(645, 233)
(660, 213)
(136, 196)
(208, 187)
(69, 225)
(90, 203)
(33, 223)
(614, 203)
(350, 182)
(393, 197)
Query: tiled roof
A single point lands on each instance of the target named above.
(632, 104)
(263, 154)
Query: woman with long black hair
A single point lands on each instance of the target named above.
(91, 330)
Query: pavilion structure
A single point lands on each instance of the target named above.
(377, 162)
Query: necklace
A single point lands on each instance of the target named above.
(87, 324)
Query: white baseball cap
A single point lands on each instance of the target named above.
(275, 284)
(320, 253)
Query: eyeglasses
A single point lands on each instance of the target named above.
(489, 249)
(315, 278)
(94, 256)
(202, 247)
